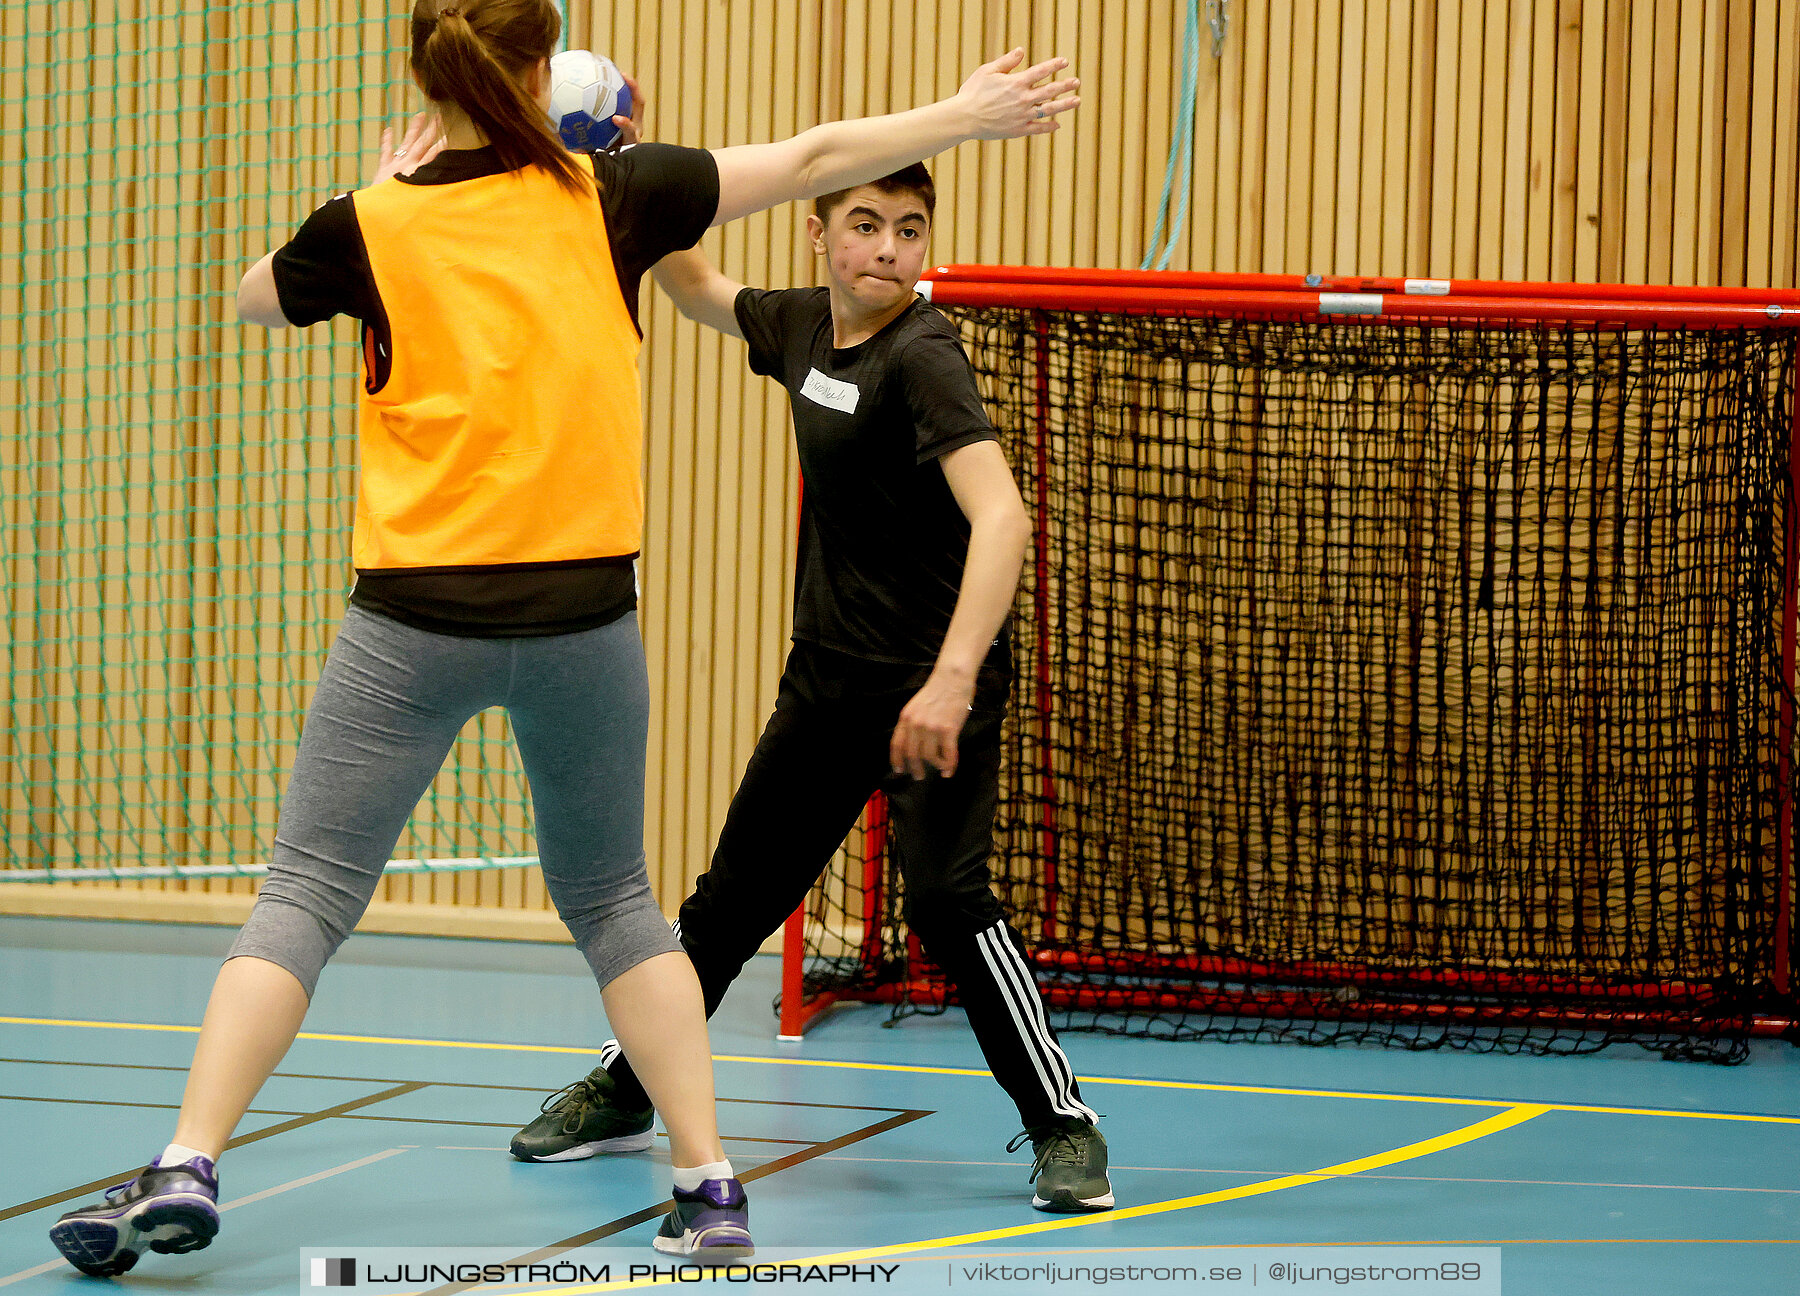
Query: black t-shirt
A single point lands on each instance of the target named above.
(655, 199)
(882, 539)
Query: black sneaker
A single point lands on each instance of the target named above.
(711, 1224)
(1069, 1175)
(582, 1120)
(169, 1209)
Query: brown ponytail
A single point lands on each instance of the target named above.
(476, 54)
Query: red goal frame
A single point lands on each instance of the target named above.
(1338, 298)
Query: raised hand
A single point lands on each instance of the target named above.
(1006, 100)
(424, 140)
(631, 129)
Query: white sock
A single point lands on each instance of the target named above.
(176, 1154)
(689, 1178)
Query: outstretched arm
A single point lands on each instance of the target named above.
(999, 530)
(700, 290)
(696, 286)
(1000, 100)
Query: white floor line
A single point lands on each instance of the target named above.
(314, 1178)
(23, 1274)
(53, 1265)
(1530, 1183)
(735, 1156)
(1533, 1183)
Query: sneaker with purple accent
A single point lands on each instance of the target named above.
(165, 1208)
(710, 1223)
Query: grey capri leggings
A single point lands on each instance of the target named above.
(389, 704)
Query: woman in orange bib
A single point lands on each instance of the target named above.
(497, 522)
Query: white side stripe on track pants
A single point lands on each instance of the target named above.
(1020, 993)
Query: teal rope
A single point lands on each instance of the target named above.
(1181, 149)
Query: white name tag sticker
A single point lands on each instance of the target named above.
(829, 392)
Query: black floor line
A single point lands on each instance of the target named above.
(363, 1116)
(644, 1216)
(83, 1190)
(442, 1084)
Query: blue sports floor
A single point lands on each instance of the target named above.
(388, 1122)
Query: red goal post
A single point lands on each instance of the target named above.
(1234, 983)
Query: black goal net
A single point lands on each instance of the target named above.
(1412, 681)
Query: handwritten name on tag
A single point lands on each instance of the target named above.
(829, 392)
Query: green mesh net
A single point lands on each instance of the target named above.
(176, 487)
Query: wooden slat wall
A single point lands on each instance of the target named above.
(1643, 140)
(1466, 138)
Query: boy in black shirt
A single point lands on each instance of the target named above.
(912, 535)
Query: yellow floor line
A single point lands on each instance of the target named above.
(1516, 1115)
(1277, 1091)
(901, 1069)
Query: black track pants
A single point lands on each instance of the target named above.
(823, 752)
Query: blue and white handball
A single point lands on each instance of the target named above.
(586, 93)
